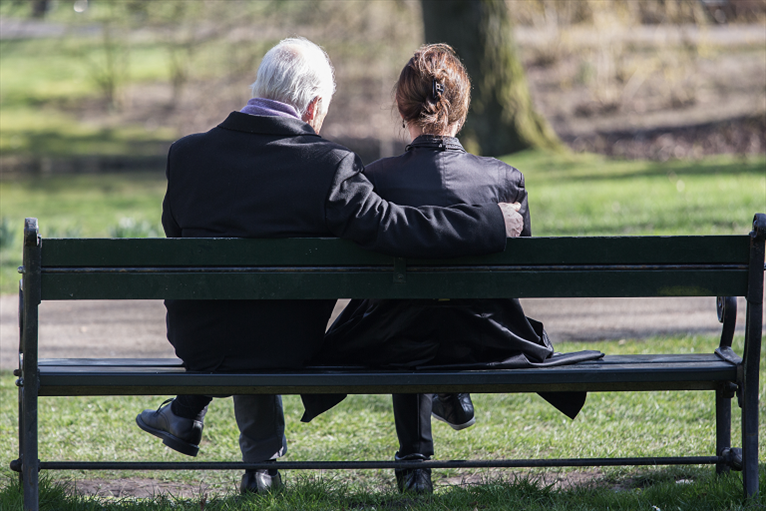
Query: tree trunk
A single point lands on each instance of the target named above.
(502, 118)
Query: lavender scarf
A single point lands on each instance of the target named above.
(269, 108)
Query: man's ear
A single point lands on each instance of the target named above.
(311, 109)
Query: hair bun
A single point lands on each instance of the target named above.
(434, 91)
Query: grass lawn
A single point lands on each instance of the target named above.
(585, 194)
(93, 205)
(361, 428)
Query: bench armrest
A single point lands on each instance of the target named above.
(727, 315)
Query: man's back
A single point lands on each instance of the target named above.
(249, 177)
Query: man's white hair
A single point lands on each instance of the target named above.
(296, 71)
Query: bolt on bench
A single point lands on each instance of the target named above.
(321, 268)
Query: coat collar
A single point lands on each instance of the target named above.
(266, 125)
(436, 142)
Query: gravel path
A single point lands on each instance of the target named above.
(131, 328)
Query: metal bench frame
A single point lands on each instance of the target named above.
(316, 268)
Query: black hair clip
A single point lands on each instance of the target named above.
(437, 89)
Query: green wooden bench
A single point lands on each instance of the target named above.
(316, 268)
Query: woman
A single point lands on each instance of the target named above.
(432, 97)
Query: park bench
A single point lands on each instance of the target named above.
(322, 268)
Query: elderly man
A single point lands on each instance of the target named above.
(265, 172)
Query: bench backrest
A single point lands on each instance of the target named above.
(313, 268)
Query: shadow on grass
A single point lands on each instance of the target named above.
(685, 488)
(104, 141)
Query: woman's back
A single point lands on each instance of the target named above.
(438, 171)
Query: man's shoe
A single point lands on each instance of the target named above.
(176, 432)
(454, 409)
(413, 480)
(260, 481)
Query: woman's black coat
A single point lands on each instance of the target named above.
(466, 333)
(411, 333)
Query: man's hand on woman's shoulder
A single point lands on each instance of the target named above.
(514, 222)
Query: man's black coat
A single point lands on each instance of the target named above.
(273, 177)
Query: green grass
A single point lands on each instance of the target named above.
(586, 194)
(707, 493)
(91, 205)
(361, 428)
(38, 72)
(83, 204)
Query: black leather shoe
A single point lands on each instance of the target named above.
(454, 409)
(260, 481)
(176, 432)
(413, 480)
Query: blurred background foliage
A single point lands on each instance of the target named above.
(126, 77)
(672, 92)
(171, 68)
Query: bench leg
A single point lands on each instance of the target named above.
(750, 399)
(30, 382)
(18, 373)
(723, 396)
(21, 432)
(29, 459)
(752, 356)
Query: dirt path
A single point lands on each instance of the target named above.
(130, 328)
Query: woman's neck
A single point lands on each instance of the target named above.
(416, 131)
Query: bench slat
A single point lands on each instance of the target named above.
(56, 364)
(132, 363)
(336, 252)
(634, 372)
(486, 283)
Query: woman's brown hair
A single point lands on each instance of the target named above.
(434, 90)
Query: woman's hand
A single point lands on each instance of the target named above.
(514, 222)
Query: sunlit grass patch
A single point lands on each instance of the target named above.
(587, 195)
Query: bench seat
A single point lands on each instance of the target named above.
(64, 377)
